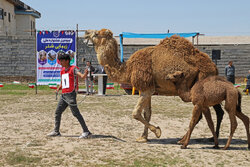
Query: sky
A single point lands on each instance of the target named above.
(209, 17)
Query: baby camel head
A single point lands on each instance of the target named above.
(98, 37)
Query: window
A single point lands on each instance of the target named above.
(1, 13)
(9, 17)
(31, 27)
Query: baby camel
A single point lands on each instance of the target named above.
(208, 92)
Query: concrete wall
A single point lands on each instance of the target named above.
(7, 27)
(17, 56)
(25, 24)
(239, 54)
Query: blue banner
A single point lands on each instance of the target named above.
(50, 44)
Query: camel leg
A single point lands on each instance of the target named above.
(233, 122)
(210, 123)
(195, 116)
(245, 120)
(185, 136)
(147, 117)
(219, 113)
(143, 101)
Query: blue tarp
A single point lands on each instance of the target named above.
(161, 36)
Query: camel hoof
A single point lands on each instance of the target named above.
(158, 132)
(216, 147)
(183, 147)
(224, 148)
(180, 142)
(142, 140)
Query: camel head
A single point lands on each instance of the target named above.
(98, 37)
(105, 46)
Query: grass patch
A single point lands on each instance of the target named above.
(146, 162)
(23, 89)
(35, 143)
(21, 158)
(14, 93)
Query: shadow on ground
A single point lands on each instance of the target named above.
(206, 141)
(93, 136)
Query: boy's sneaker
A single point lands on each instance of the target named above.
(85, 135)
(53, 134)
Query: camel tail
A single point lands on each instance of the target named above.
(238, 107)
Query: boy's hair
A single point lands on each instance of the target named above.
(64, 56)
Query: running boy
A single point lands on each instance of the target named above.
(69, 86)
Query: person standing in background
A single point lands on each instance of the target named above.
(248, 82)
(89, 78)
(230, 72)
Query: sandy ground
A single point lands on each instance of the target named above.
(26, 119)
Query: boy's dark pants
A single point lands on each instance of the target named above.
(68, 99)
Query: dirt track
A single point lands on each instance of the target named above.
(25, 121)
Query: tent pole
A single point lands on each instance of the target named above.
(121, 46)
(197, 38)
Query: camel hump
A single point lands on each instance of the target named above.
(178, 44)
(181, 47)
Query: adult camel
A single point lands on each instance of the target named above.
(155, 69)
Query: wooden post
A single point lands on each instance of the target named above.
(36, 61)
(77, 42)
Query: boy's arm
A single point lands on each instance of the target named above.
(82, 75)
(59, 88)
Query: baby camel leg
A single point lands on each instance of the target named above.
(233, 122)
(195, 116)
(245, 120)
(210, 123)
(144, 101)
(219, 113)
(185, 136)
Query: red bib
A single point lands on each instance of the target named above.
(68, 80)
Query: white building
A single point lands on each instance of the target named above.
(17, 18)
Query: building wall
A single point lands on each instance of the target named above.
(25, 24)
(8, 27)
(17, 56)
(239, 54)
